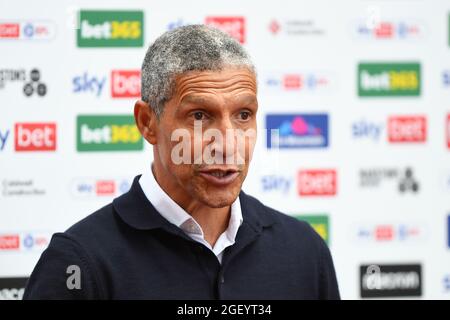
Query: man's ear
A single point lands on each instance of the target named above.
(146, 121)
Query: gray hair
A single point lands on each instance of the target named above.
(184, 49)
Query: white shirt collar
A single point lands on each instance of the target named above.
(176, 215)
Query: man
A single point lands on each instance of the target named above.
(185, 230)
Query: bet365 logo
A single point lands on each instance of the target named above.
(388, 79)
(320, 224)
(110, 29)
(108, 133)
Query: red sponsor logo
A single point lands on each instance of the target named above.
(317, 182)
(384, 30)
(292, 81)
(234, 26)
(9, 242)
(35, 137)
(9, 30)
(407, 129)
(105, 187)
(274, 26)
(448, 131)
(125, 83)
(384, 233)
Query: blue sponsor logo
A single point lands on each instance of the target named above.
(28, 241)
(88, 84)
(124, 186)
(446, 282)
(4, 134)
(297, 81)
(446, 78)
(275, 183)
(297, 130)
(366, 129)
(176, 24)
(448, 231)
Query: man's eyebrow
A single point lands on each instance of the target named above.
(195, 100)
(247, 99)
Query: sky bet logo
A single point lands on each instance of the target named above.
(408, 129)
(388, 79)
(108, 133)
(110, 29)
(124, 84)
(234, 26)
(317, 182)
(297, 130)
(30, 137)
(35, 136)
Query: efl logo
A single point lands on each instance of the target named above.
(35, 137)
(234, 26)
(388, 79)
(407, 129)
(9, 242)
(89, 188)
(390, 30)
(125, 83)
(317, 182)
(388, 233)
(27, 30)
(110, 29)
(313, 82)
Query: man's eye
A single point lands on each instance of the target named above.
(245, 115)
(199, 115)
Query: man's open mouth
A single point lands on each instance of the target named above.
(219, 177)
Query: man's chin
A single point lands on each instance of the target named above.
(219, 200)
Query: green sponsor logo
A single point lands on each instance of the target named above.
(388, 79)
(320, 223)
(110, 29)
(108, 133)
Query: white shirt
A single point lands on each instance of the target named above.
(176, 215)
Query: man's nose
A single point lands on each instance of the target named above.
(227, 144)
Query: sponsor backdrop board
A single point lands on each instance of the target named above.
(354, 125)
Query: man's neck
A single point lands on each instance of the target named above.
(213, 221)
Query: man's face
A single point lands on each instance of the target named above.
(212, 117)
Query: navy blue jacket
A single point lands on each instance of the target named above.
(127, 250)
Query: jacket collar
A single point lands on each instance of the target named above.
(136, 211)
